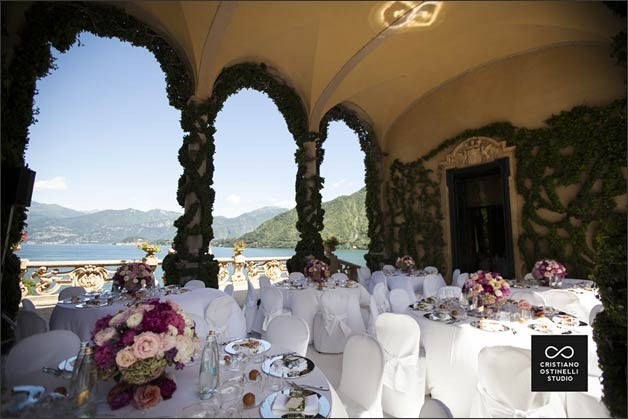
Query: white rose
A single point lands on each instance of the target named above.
(185, 349)
(188, 332)
(172, 330)
(189, 322)
(134, 320)
(126, 277)
(498, 293)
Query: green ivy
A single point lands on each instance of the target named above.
(372, 177)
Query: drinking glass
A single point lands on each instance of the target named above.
(230, 396)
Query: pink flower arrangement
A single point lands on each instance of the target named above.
(134, 276)
(405, 263)
(315, 266)
(137, 344)
(546, 270)
(489, 286)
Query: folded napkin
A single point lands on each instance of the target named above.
(284, 404)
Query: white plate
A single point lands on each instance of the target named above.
(67, 364)
(276, 366)
(88, 304)
(235, 347)
(445, 317)
(490, 326)
(266, 411)
(422, 306)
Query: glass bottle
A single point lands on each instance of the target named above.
(83, 384)
(77, 363)
(209, 373)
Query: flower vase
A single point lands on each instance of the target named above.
(555, 282)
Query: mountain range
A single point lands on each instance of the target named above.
(271, 227)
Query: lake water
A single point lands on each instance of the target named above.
(83, 252)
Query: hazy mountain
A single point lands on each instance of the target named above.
(51, 223)
(345, 218)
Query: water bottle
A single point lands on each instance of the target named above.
(83, 384)
(77, 363)
(209, 374)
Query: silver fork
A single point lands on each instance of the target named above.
(293, 384)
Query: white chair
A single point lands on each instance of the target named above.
(296, 276)
(249, 308)
(461, 279)
(594, 312)
(434, 408)
(305, 305)
(338, 277)
(431, 284)
(364, 275)
(454, 278)
(399, 300)
(25, 360)
(29, 323)
(587, 404)
(403, 391)
(264, 282)
(28, 305)
(381, 297)
(503, 388)
(70, 292)
(565, 301)
(431, 269)
(374, 313)
(530, 296)
(194, 284)
(270, 307)
(338, 318)
(225, 316)
(360, 388)
(229, 289)
(402, 282)
(388, 269)
(376, 278)
(289, 332)
(449, 291)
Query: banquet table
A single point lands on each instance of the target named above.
(68, 316)
(356, 291)
(187, 396)
(452, 356)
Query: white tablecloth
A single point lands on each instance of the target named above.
(359, 292)
(187, 394)
(452, 356)
(82, 320)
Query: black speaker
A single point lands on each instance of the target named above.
(17, 186)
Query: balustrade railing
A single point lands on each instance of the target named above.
(46, 278)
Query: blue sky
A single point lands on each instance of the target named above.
(106, 138)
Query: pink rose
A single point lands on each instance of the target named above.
(146, 345)
(125, 358)
(146, 397)
(104, 336)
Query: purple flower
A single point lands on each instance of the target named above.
(179, 366)
(128, 337)
(166, 385)
(170, 354)
(120, 395)
(104, 357)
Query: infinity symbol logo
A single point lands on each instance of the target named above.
(559, 352)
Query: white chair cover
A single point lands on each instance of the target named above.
(587, 405)
(28, 305)
(229, 289)
(504, 387)
(431, 269)
(380, 292)
(374, 313)
(449, 291)
(388, 269)
(339, 317)
(594, 312)
(530, 296)
(264, 281)
(25, 360)
(249, 307)
(399, 301)
(289, 332)
(296, 276)
(305, 304)
(404, 283)
(404, 377)
(360, 388)
(454, 278)
(70, 292)
(431, 284)
(224, 316)
(461, 279)
(565, 301)
(376, 278)
(193, 284)
(338, 276)
(364, 275)
(29, 323)
(271, 307)
(365, 299)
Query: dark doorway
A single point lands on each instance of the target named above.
(481, 234)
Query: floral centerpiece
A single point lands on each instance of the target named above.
(137, 344)
(317, 270)
(150, 249)
(549, 272)
(489, 286)
(405, 263)
(134, 276)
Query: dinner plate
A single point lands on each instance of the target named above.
(67, 364)
(444, 317)
(240, 345)
(92, 304)
(567, 320)
(490, 326)
(266, 408)
(547, 328)
(422, 306)
(350, 284)
(287, 366)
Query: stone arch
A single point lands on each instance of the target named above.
(196, 155)
(359, 121)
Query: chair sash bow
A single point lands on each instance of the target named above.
(398, 370)
(497, 409)
(269, 316)
(333, 321)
